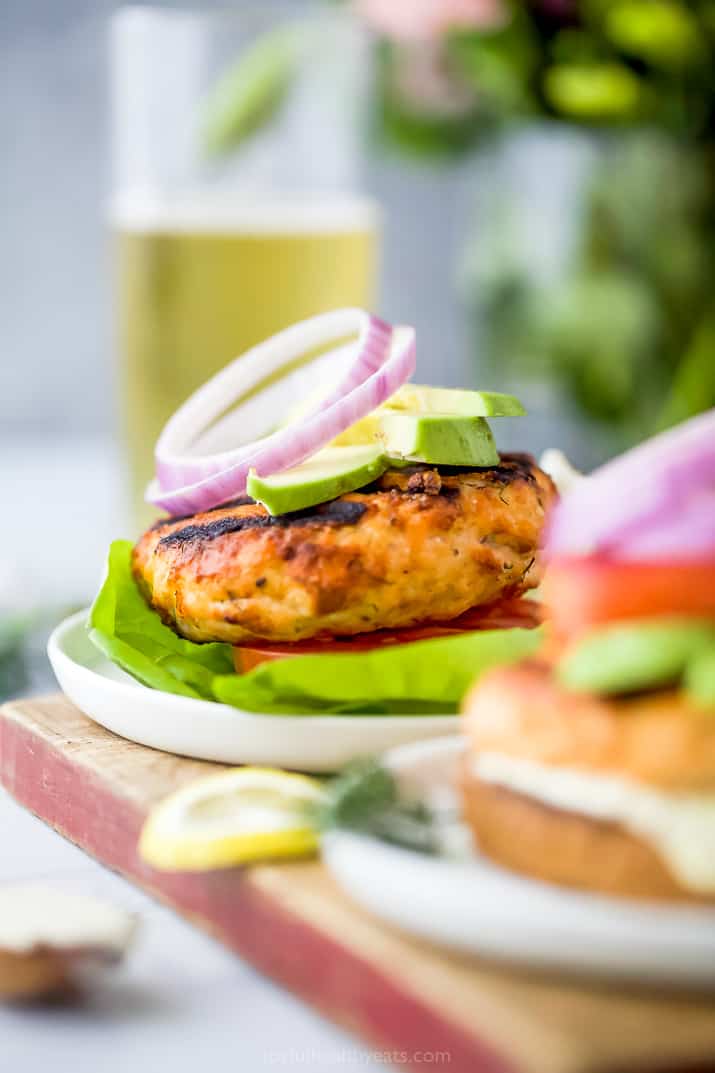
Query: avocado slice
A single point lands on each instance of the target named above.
(700, 676)
(364, 431)
(418, 400)
(395, 438)
(324, 476)
(628, 657)
(421, 399)
(440, 439)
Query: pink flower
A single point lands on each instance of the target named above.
(424, 82)
(419, 20)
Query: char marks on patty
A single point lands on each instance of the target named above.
(239, 501)
(336, 512)
(422, 542)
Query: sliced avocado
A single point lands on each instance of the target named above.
(327, 474)
(421, 399)
(700, 676)
(418, 400)
(364, 431)
(441, 439)
(628, 657)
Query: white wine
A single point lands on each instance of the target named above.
(200, 283)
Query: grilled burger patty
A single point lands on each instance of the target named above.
(660, 739)
(422, 542)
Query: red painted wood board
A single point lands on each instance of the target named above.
(293, 924)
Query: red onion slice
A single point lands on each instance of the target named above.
(382, 360)
(656, 501)
(179, 460)
(687, 534)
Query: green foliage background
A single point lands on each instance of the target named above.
(628, 333)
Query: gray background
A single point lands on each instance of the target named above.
(55, 288)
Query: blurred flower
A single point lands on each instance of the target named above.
(419, 20)
(423, 80)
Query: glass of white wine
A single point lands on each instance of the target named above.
(236, 207)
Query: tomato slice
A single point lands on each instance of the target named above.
(580, 592)
(502, 615)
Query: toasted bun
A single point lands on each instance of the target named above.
(565, 848)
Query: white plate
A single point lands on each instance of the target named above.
(472, 906)
(210, 731)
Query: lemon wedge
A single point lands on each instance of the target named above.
(245, 814)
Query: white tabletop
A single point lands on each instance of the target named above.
(180, 1001)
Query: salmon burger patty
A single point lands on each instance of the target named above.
(420, 543)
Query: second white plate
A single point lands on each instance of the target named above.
(475, 907)
(209, 731)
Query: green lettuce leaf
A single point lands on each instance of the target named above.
(425, 677)
(132, 635)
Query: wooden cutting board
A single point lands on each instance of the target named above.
(292, 922)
